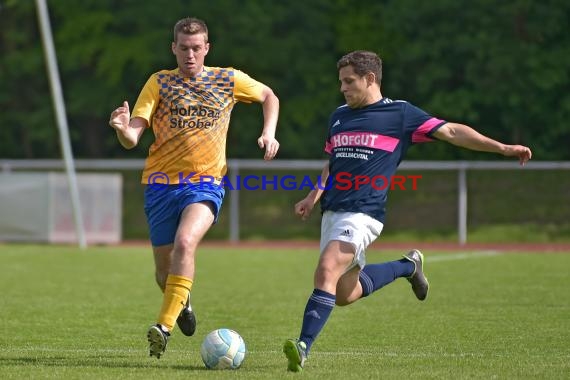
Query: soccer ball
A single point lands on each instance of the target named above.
(223, 349)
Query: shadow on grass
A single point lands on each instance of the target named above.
(97, 361)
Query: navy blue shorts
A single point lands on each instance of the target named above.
(164, 204)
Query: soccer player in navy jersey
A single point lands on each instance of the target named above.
(367, 139)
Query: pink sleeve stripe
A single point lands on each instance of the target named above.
(420, 135)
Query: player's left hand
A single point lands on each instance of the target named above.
(270, 144)
(522, 152)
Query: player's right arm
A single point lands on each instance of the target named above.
(304, 207)
(128, 131)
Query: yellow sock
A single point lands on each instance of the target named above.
(174, 299)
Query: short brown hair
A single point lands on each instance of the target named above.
(363, 62)
(190, 25)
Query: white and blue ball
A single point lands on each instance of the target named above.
(223, 349)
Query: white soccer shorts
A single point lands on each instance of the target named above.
(355, 228)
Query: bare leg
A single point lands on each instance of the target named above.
(195, 221)
(349, 289)
(162, 260)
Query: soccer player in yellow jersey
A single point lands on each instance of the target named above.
(188, 109)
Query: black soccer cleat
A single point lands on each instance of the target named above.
(420, 284)
(157, 339)
(187, 322)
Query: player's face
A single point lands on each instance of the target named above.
(356, 89)
(190, 51)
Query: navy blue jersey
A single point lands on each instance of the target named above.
(366, 145)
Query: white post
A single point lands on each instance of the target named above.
(234, 202)
(55, 84)
(462, 206)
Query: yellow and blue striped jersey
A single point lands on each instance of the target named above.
(190, 119)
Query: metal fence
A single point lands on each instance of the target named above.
(236, 166)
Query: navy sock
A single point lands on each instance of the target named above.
(376, 276)
(317, 312)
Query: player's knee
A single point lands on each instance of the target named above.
(184, 247)
(325, 274)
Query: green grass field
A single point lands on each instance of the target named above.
(74, 314)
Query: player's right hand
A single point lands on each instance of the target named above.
(304, 208)
(120, 117)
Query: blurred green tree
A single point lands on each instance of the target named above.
(500, 67)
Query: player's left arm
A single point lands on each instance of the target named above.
(466, 137)
(267, 140)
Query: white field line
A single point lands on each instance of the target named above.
(461, 256)
(355, 353)
(138, 352)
